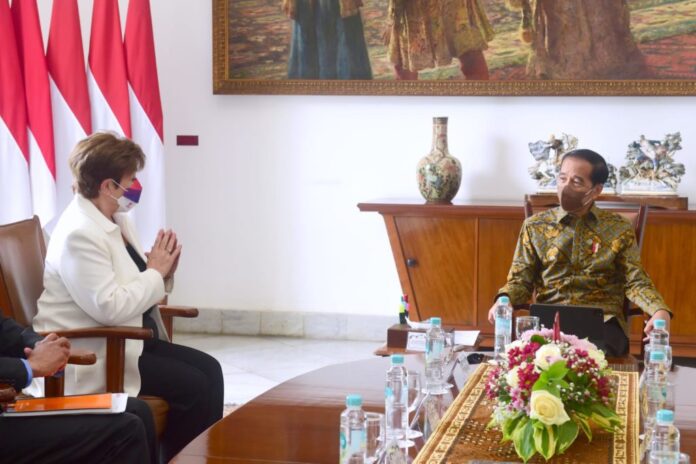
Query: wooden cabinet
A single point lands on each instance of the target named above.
(452, 259)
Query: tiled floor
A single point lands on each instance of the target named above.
(252, 365)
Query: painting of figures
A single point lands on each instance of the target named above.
(574, 47)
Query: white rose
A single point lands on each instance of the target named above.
(547, 408)
(547, 355)
(598, 357)
(512, 378)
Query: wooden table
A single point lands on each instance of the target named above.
(298, 420)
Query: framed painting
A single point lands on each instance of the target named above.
(454, 47)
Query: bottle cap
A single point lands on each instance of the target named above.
(660, 324)
(353, 400)
(397, 359)
(435, 322)
(504, 300)
(657, 356)
(665, 417)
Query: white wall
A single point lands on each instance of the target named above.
(266, 205)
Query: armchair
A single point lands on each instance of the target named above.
(22, 256)
(637, 218)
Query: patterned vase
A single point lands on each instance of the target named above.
(439, 173)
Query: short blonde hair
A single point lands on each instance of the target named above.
(101, 156)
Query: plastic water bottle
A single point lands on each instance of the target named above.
(659, 340)
(659, 335)
(396, 398)
(651, 390)
(664, 446)
(434, 356)
(353, 438)
(503, 327)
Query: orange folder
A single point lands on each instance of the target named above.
(64, 403)
(104, 403)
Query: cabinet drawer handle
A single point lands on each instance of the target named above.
(411, 262)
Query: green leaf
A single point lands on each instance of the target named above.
(557, 370)
(567, 433)
(602, 410)
(605, 417)
(545, 441)
(584, 425)
(544, 383)
(523, 439)
(583, 409)
(510, 425)
(602, 421)
(492, 423)
(538, 339)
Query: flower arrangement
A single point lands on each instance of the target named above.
(551, 386)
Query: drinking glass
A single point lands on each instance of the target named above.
(375, 431)
(449, 360)
(525, 323)
(681, 458)
(659, 395)
(444, 371)
(414, 398)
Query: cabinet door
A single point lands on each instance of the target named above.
(440, 255)
(496, 246)
(669, 258)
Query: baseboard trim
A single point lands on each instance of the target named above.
(288, 324)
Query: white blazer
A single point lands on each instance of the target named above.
(90, 280)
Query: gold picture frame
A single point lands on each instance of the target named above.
(224, 83)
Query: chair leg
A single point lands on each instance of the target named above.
(54, 386)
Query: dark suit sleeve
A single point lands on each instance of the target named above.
(13, 339)
(13, 372)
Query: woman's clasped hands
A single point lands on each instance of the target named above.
(165, 253)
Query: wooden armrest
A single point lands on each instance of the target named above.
(635, 312)
(81, 357)
(178, 311)
(115, 353)
(7, 393)
(133, 333)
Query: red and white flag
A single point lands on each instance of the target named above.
(69, 97)
(42, 166)
(106, 78)
(15, 189)
(146, 118)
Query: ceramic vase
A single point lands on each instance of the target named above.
(439, 173)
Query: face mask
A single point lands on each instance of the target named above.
(573, 200)
(130, 197)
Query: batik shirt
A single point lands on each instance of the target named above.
(591, 260)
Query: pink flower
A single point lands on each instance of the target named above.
(526, 353)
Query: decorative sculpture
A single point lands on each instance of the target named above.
(548, 157)
(650, 168)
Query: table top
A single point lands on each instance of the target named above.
(298, 420)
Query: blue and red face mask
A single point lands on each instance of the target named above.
(130, 197)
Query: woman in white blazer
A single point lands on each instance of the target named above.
(97, 274)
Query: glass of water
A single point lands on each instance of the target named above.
(375, 434)
(414, 398)
(525, 323)
(658, 395)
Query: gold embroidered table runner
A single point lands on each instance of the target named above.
(461, 436)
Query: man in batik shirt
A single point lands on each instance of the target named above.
(579, 254)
